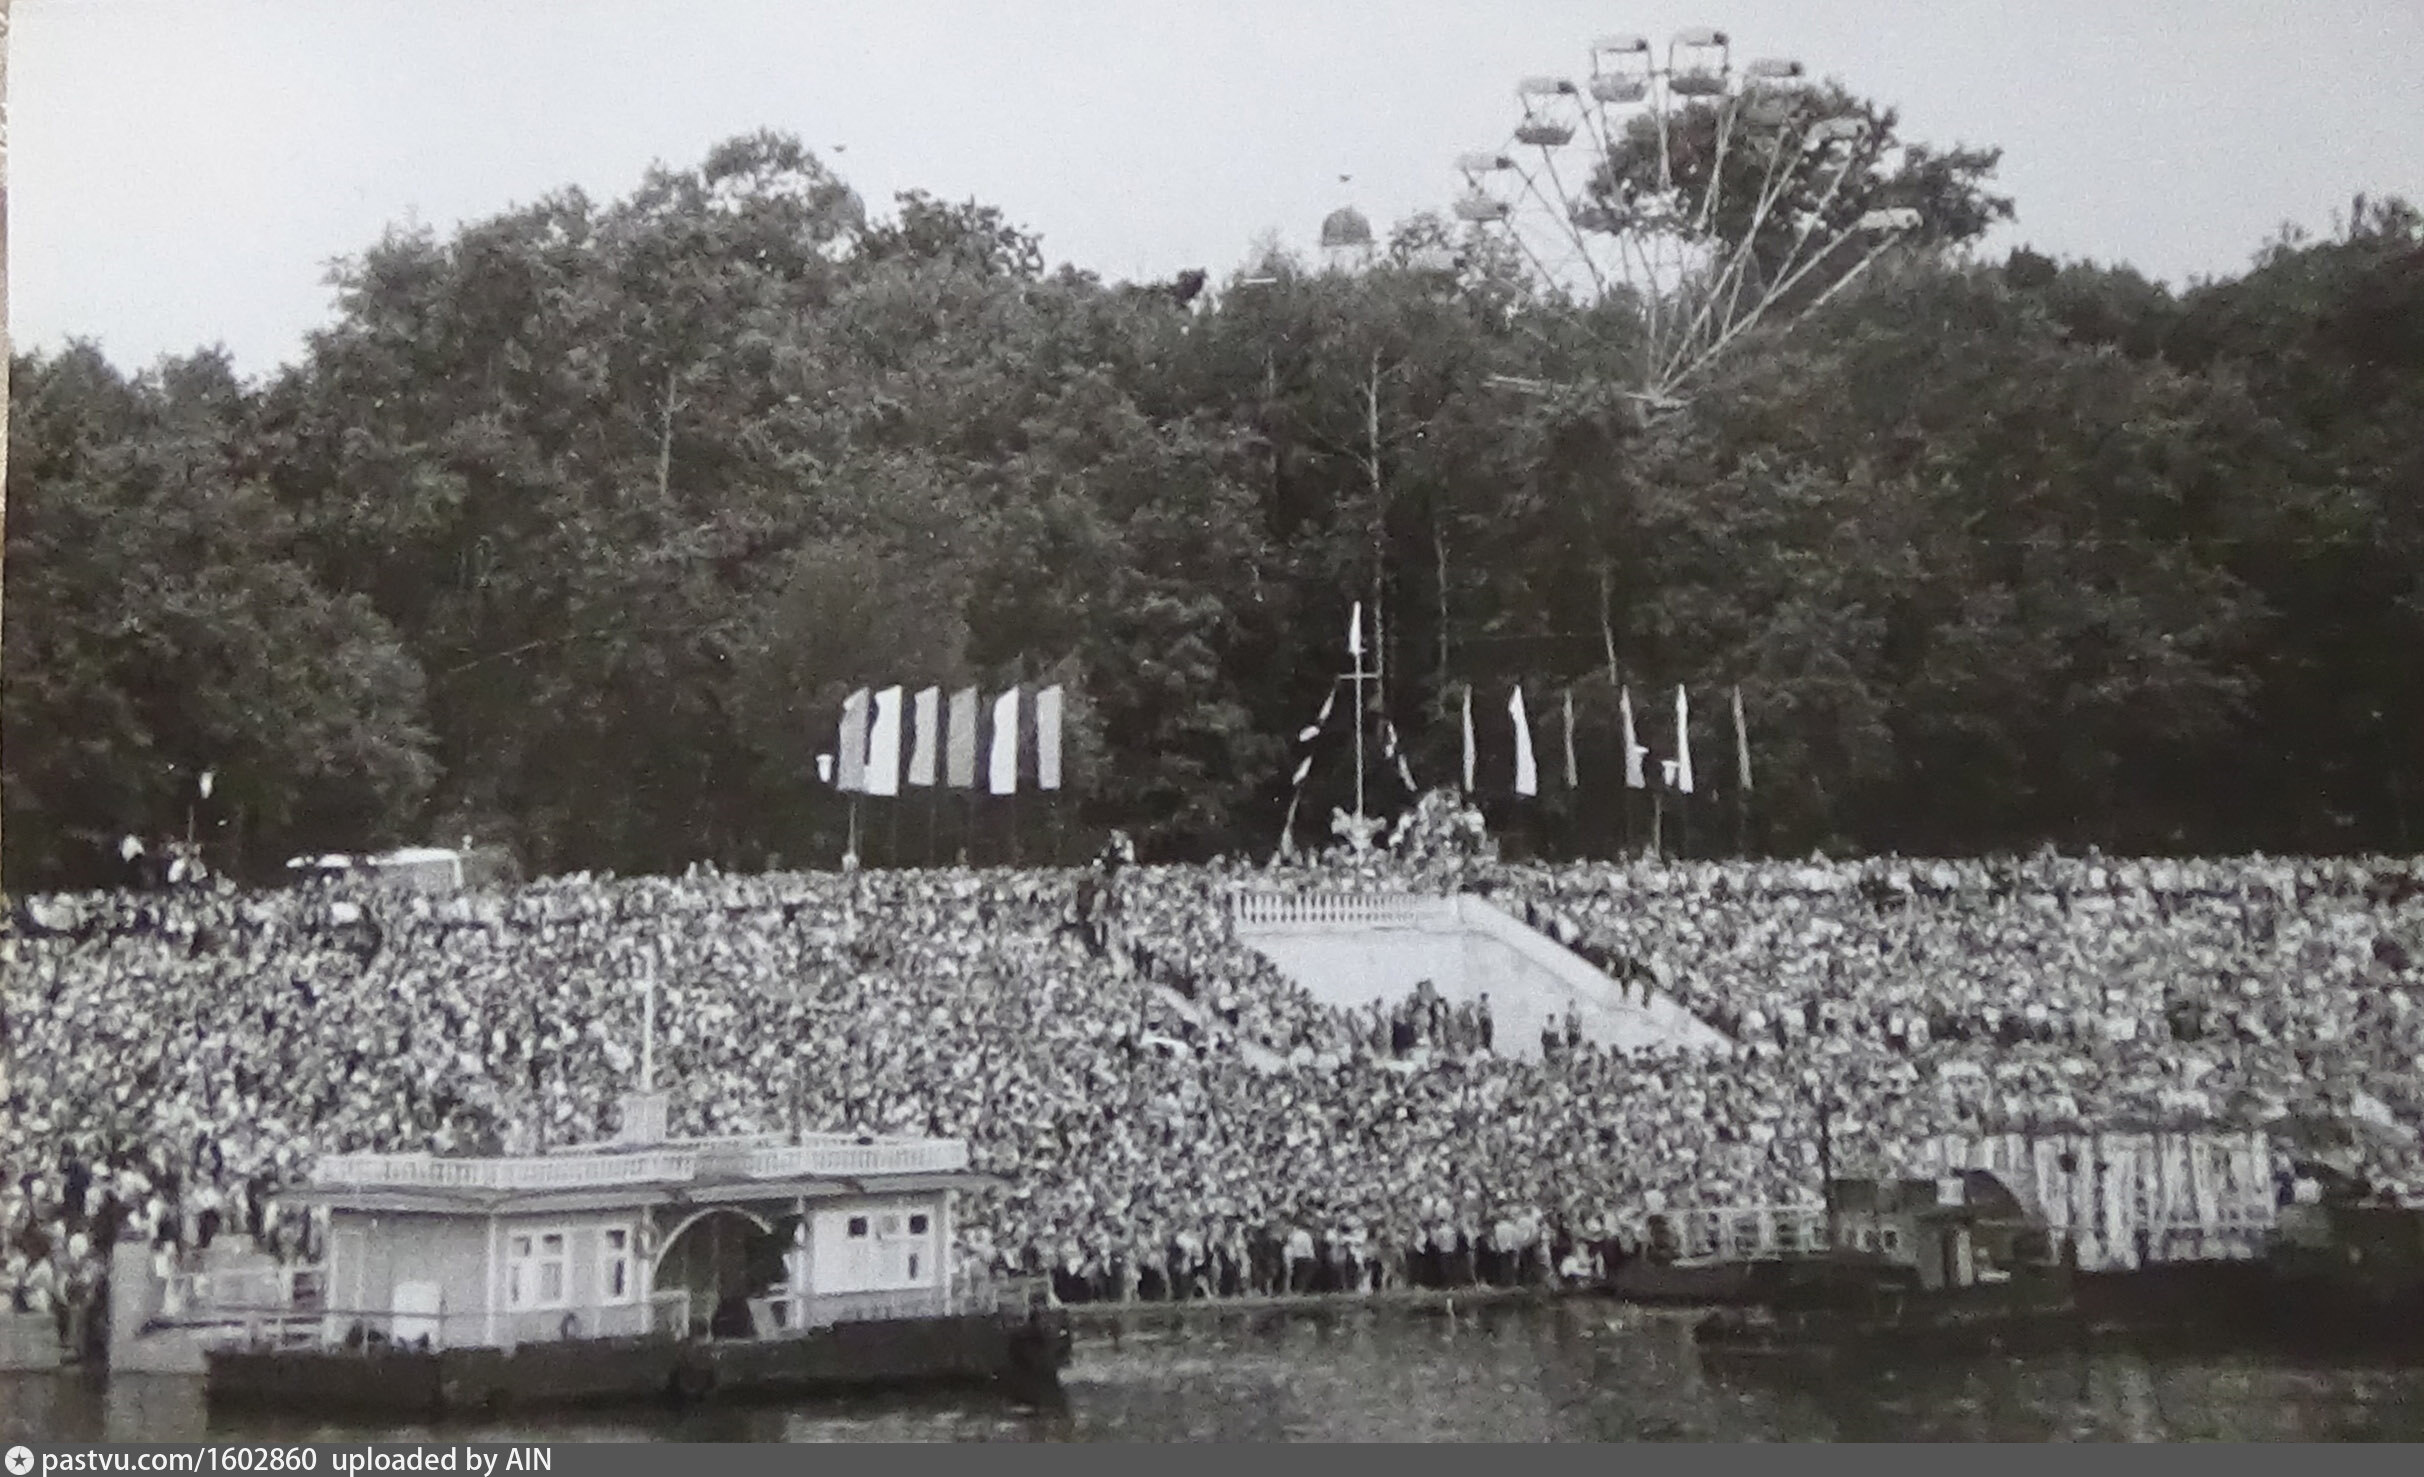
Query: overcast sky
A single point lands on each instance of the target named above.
(182, 171)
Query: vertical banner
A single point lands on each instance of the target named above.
(1742, 747)
(1573, 776)
(1527, 769)
(1634, 753)
(959, 757)
(926, 720)
(1355, 631)
(884, 745)
(1468, 738)
(1683, 742)
(1048, 738)
(1001, 771)
(851, 743)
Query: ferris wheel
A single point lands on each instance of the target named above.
(1712, 197)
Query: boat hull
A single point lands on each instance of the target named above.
(1021, 1358)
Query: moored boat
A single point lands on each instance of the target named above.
(646, 1267)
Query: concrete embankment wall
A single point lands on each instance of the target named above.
(136, 1298)
(1351, 950)
(29, 1342)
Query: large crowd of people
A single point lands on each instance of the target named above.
(1174, 1116)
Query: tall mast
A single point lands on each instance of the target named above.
(1355, 649)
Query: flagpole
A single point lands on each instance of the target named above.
(1355, 649)
(850, 850)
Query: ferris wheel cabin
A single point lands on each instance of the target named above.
(1620, 69)
(1697, 62)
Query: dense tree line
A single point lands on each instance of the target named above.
(571, 530)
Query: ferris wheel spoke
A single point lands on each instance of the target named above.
(1746, 253)
(1566, 208)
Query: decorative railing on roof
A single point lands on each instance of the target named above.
(836, 1155)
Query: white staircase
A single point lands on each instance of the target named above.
(1350, 950)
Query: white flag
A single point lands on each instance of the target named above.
(928, 716)
(1742, 747)
(851, 743)
(1468, 736)
(1390, 752)
(884, 745)
(1527, 771)
(959, 750)
(1355, 631)
(1048, 738)
(1002, 772)
(1321, 720)
(1683, 743)
(1573, 776)
(1634, 753)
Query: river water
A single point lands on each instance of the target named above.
(1583, 1370)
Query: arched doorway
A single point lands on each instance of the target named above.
(722, 1257)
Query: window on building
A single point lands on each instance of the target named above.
(535, 1269)
(1890, 1237)
(858, 1225)
(917, 1225)
(614, 1266)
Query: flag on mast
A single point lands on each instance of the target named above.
(1048, 738)
(959, 757)
(928, 720)
(1321, 720)
(1390, 751)
(1002, 771)
(1742, 746)
(1634, 753)
(1527, 771)
(1468, 737)
(1573, 776)
(1683, 742)
(851, 742)
(884, 745)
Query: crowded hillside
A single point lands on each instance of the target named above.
(1172, 1114)
(2005, 561)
